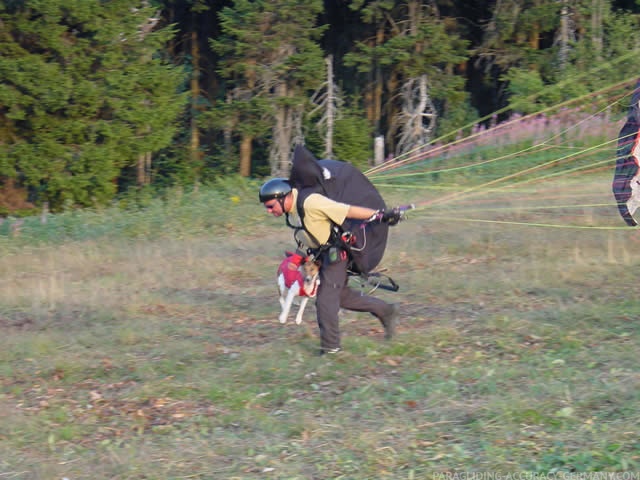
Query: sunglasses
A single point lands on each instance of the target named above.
(271, 206)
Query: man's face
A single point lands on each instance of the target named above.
(274, 207)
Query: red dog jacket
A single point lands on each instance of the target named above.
(290, 269)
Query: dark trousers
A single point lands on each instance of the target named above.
(334, 294)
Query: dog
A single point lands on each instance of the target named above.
(298, 276)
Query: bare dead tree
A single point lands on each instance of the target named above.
(417, 120)
(287, 116)
(286, 139)
(287, 131)
(328, 100)
(565, 35)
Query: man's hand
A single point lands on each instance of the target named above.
(391, 216)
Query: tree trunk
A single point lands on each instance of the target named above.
(140, 176)
(414, 19)
(331, 98)
(143, 169)
(281, 135)
(534, 35)
(227, 131)
(563, 50)
(377, 89)
(246, 143)
(369, 95)
(596, 27)
(245, 155)
(418, 114)
(287, 133)
(378, 150)
(148, 167)
(195, 94)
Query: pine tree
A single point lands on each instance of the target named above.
(83, 94)
(272, 61)
(412, 54)
(591, 42)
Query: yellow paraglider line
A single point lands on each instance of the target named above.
(381, 174)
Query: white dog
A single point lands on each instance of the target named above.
(298, 276)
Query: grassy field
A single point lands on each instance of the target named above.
(158, 354)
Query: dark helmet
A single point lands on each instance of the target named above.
(274, 188)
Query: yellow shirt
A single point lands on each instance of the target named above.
(319, 212)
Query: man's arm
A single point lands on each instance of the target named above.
(391, 216)
(360, 213)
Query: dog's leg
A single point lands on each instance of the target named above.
(282, 289)
(303, 304)
(295, 288)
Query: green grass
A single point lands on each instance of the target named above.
(159, 355)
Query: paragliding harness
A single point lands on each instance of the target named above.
(361, 243)
(342, 243)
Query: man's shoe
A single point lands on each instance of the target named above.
(330, 351)
(389, 322)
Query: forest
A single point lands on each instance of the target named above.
(99, 98)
